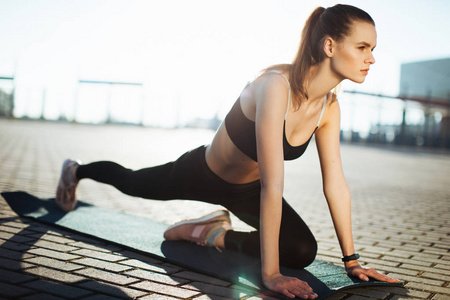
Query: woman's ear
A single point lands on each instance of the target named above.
(329, 46)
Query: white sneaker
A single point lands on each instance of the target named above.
(65, 193)
(202, 231)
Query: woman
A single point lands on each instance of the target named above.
(243, 167)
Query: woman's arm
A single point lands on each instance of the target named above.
(271, 104)
(335, 186)
(271, 94)
(337, 192)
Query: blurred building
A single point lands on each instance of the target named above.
(427, 82)
(426, 79)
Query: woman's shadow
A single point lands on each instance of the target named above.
(46, 211)
(23, 203)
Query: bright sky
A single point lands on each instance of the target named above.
(194, 57)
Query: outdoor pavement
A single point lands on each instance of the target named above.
(401, 216)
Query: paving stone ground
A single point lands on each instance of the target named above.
(401, 216)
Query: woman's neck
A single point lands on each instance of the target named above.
(321, 81)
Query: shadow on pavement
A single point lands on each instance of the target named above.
(23, 203)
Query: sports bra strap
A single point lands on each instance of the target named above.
(289, 97)
(323, 108)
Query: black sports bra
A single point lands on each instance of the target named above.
(242, 131)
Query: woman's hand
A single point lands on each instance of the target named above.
(354, 269)
(289, 286)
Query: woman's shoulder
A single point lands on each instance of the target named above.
(271, 83)
(269, 90)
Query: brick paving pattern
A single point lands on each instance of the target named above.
(401, 217)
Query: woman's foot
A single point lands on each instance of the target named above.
(203, 231)
(65, 193)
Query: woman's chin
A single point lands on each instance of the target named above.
(357, 80)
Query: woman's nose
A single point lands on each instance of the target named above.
(370, 59)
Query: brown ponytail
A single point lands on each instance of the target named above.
(306, 55)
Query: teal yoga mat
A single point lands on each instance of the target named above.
(146, 235)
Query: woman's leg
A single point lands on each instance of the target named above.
(173, 180)
(189, 177)
(297, 245)
(150, 183)
(162, 182)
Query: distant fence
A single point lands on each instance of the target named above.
(137, 101)
(7, 97)
(365, 117)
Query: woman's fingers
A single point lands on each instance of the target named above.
(365, 273)
(287, 293)
(363, 277)
(291, 287)
(379, 276)
(303, 290)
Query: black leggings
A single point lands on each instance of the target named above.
(189, 177)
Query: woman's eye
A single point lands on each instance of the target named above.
(362, 47)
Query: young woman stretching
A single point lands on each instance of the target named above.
(243, 168)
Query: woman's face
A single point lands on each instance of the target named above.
(353, 54)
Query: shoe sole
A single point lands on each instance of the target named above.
(61, 177)
(201, 220)
(61, 183)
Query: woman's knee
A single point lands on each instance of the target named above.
(299, 253)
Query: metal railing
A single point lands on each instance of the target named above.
(410, 121)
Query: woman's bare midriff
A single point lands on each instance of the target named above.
(228, 162)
